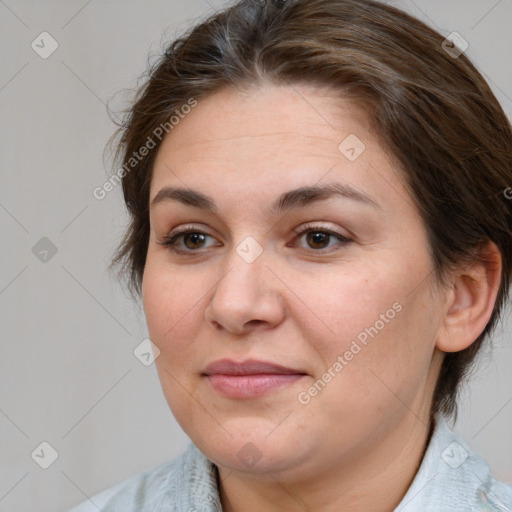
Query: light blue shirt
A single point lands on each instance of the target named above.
(451, 478)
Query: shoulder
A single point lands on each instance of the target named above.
(132, 492)
(452, 478)
(184, 483)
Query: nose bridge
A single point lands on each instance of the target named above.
(245, 276)
(247, 291)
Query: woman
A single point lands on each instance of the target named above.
(322, 239)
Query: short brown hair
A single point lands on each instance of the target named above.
(434, 112)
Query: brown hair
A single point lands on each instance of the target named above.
(434, 112)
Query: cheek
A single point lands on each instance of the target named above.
(344, 305)
(172, 305)
(172, 302)
(376, 324)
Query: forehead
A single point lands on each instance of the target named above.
(308, 113)
(269, 140)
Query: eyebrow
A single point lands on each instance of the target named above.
(290, 200)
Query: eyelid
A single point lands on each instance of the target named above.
(183, 229)
(320, 227)
(299, 230)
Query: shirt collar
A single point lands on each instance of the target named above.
(450, 473)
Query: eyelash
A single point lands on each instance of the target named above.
(170, 240)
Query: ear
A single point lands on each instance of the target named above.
(470, 301)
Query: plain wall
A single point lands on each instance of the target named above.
(68, 375)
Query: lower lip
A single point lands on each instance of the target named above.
(249, 386)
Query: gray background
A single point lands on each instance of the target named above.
(68, 375)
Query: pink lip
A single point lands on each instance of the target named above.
(250, 378)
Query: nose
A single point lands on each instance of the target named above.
(248, 296)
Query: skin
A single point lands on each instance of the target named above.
(358, 443)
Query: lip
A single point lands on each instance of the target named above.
(250, 378)
(248, 367)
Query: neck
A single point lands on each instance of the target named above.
(375, 480)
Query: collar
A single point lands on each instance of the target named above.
(451, 477)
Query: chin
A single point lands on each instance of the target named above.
(253, 452)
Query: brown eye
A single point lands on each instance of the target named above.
(193, 240)
(185, 241)
(318, 239)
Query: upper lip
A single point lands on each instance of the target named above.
(248, 367)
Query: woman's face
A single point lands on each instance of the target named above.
(337, 288)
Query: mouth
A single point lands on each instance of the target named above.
(249, 379)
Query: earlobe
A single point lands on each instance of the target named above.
(470, 301)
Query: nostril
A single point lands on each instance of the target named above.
(255, 322)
